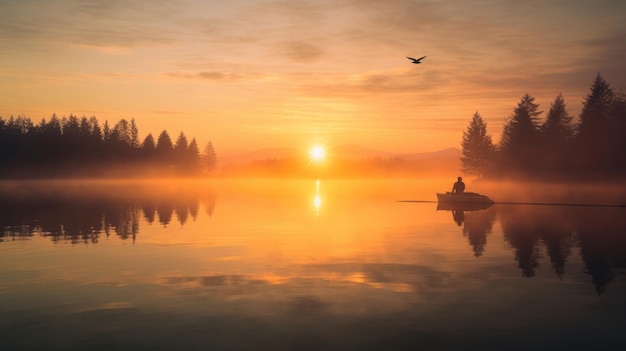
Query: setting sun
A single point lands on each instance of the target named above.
(317, 153)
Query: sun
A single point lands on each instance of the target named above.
(317, 153)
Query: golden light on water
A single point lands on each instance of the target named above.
(317, 201)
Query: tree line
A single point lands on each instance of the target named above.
(592, 146)
(73, 145)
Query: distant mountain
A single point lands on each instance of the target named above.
(452, 152)
(352, 151)
(348, 151)
(261, 154)
(359, 152)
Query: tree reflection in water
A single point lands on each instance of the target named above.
(82, 214)
(476, 219)
(535, 231)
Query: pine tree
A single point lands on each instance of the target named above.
(594, 128)
(180, 150)
(556, 134)
(556, 130)
(122, 133)
(148, 147)
(520, 137)
(192, 156)
(106, 132)
(477, 147)
(134, 135)
(181, 144)
(596, 109)
(192, 150)
(164, 147)
(210, 158)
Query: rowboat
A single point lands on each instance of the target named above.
(463, 198)
(463, 202)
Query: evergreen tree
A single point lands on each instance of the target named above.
(210, 158)
(556, 133)
(106, 132)
(180, 150)
(594, 128)
(596, 110)
(558, 122)
(477, 147)
(148, 147)
(519, 144)
(181, 145)
(51, 140)
(134, 135)
(164, 147)
(192, 156)
(193, 150)
(96, 132)
(122, 133)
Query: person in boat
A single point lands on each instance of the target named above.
(459, 186)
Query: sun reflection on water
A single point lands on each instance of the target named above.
(317, 200)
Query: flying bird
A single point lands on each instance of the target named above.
(416, 61)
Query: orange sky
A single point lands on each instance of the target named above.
(250, 74)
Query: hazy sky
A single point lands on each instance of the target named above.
(249, 74)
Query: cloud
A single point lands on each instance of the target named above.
(89, 23)
(217, 76)
(299, 51)
(608, 55)
(213, 281)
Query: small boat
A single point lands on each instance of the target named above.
(463, 198)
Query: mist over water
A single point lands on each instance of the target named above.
(313, 264)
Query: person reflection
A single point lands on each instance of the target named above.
(459, 216)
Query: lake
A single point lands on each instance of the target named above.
(302, 265)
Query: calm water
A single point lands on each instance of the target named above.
(302, 265)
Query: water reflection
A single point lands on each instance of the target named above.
(317, 200)
(534, 232)
(458, 210)
(268, 262)
(83, 212)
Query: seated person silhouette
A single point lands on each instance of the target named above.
(459, 186)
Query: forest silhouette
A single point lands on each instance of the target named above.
(557, 147)
(73, 146)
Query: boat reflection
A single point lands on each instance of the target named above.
(458, 209)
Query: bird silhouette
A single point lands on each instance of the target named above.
(416, 61)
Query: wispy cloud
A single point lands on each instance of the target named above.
(299, 51)
(89, 23)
